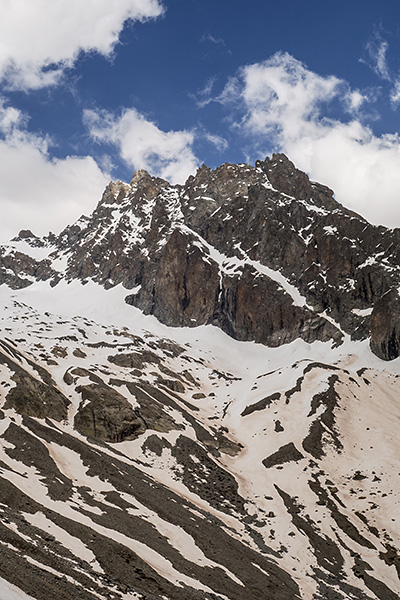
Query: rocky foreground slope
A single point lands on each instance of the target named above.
(200, 396)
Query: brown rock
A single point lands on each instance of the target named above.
(385, 326)
(106, 415)
(34, 397)
(184, 288)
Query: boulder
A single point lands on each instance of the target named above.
(106, 414)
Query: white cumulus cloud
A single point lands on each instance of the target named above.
(284, 107)
(143, 145)
(36, 191)
(40, 38)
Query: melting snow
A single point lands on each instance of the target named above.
(11, 592)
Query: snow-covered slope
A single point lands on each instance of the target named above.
(253, 470)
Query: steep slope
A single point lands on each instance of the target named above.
(162, 458)
(192, 465)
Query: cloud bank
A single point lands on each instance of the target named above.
(36, 191)
(40, 39)
(284, 106)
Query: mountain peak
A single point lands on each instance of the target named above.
(140, 175)
(233, 247)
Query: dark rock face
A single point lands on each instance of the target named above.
(183, 290)
(254, 307)
(262, 252)
(106, 415)
(285, 454)
(285, 177)
(36, 399)
(261, 404)
(17, 270)
(385, 326)
(35, 396)
(187, 290)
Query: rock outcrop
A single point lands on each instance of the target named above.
(106, 415)
(385, 326)
(33, 392)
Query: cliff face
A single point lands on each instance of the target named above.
(261, 252)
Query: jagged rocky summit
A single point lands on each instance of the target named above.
(149, 449)
(261, 252)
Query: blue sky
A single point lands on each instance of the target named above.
(93, 91)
